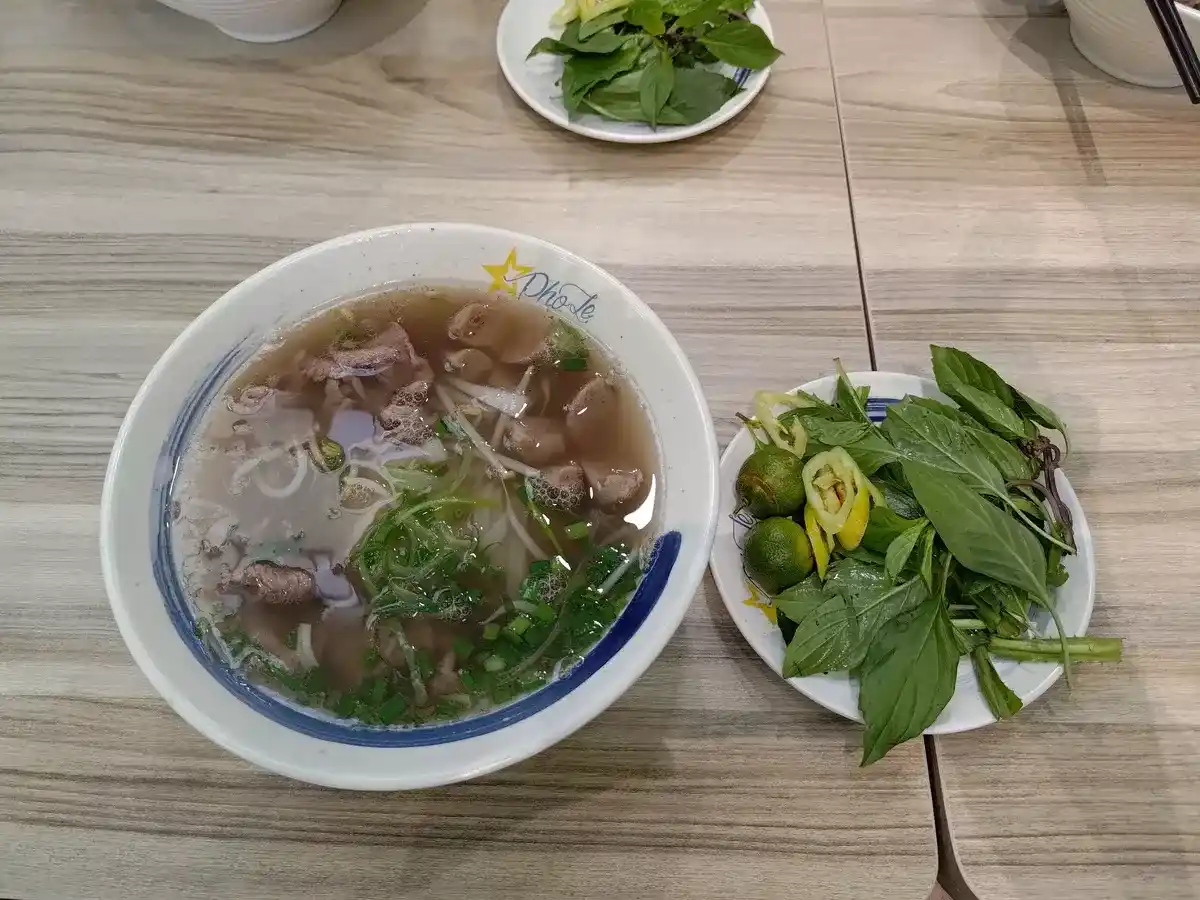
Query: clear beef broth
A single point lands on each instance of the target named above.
(415, 506)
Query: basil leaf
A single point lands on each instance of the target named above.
(550, 45)
(863, 555)
(655, 86)
(737, 6)
(608, 20)
(994, 414)
(847, 397)
(944, 409)
(1043, 415)
(979, 535)
(896, 496)
(885, 525)
(901, 549)
(926, 557)
(922, 435)
(865, 443)
(824, 641)
(999, 696)
(647, 15)
(600, 42)
(873, 599)
(952, 368)
(741, 43)
(682, 7)
(799, 600)
(1012, 463)
(907, 678)
(836, 434)
(980, 390)
(699, 13)
(697, 94)
(619, 99)
(585, 72)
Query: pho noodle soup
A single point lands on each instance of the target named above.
(416, 506)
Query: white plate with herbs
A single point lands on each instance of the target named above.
(636, 71)
(912, 648)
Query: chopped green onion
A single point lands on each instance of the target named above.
(392, 710)
(463, 648)
(379, 691)
(519, 625)
(577, 531)
(467, 679)
(494, 664)
(441, 429)
(541, 566)
(545, 612)
(344, 707)
(573, 364)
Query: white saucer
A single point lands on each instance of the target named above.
(838, 692)
(525, 22)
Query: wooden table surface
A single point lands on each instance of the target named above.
(1013, 201)
(146, 165)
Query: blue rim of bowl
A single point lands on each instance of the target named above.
(324, 726)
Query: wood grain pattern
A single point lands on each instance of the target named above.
(146, 165)
(1013, 201)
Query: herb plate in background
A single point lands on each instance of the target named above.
(525, 22)
(838, 692)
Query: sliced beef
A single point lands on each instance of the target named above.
(536, 440)
(592, 413)
(477, 325)
(405, 424)
(469, 364)
(278, 585)
(559, 487)
(388, 352)
(613, 488)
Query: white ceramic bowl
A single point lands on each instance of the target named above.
(525, 22)
(156, 621)
(260, 21)
(838, 692)
(1119, 37)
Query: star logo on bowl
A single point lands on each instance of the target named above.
(505, 274)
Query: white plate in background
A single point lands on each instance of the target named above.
(525, 22)
(838, 692)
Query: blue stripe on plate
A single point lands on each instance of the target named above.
(320, 724)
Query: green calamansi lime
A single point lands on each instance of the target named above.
(777, 554)
(771, 483)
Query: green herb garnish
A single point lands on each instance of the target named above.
(646, 60)
(965, 539)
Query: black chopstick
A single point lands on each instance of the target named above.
(1179, 45)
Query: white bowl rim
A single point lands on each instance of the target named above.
(635, 655)
(752, 81)
(827, 690)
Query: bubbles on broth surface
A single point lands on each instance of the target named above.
(416, 506)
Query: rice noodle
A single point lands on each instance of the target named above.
(472, 435)
(510, 403)
(420, 695)
(530, 544)
(292, 486)
(617, 575)
(241, 475)
(502, 422)
(519, 467)
(304, 647)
